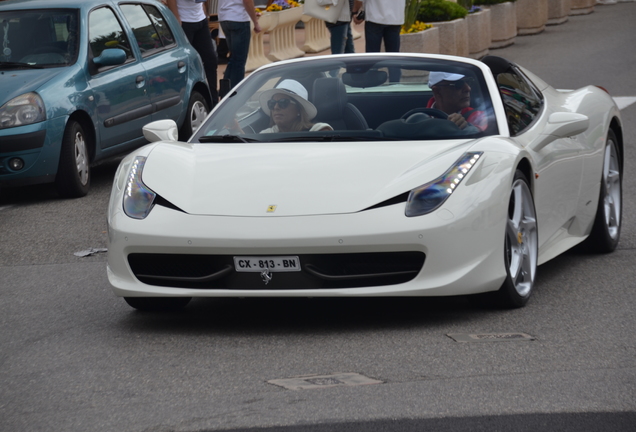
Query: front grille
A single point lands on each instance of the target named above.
(318, 271)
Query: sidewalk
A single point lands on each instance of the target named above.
(300, 41)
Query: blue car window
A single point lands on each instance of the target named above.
(105, 31)
(43, 38)
(149, 28)
(161, 26)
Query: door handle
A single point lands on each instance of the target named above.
(140, 79)
(181, 64)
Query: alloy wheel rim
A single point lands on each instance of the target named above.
(81, 159)
(612, 185)
(198, 114)
(521, 239)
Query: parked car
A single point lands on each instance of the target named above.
(80, 78)
(401, 198)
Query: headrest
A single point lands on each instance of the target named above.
(330, 98)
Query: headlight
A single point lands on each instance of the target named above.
(138, 199)
(430, 196)
(22, 110)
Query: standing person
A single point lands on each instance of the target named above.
(383, 22)
(341, 37)
(193, 16)
(234, 16)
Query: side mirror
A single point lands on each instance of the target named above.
(111, 57)
(161, 130)
(561, 125)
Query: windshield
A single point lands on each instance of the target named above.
(38, 38)
(358, 97)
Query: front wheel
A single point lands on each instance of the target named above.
(520, 246)
(197, 112)
(607, 224)
(73, 176)
(158, 304)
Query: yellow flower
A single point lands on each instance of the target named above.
(417, 27)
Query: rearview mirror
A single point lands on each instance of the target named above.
(161, 130)
(111, 57)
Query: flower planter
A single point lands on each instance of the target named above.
(558, 11)
(256, 55)
(503, 24)
(317, 36)
(532, 16)
(282, 39)
(480, 34)
(426, 41)
(582, 7)
(453, 37)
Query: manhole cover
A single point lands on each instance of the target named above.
(324, 381)
(490, 337)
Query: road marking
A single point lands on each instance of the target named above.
(624, 101)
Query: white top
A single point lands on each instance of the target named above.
(232, 10)
(191, 11)
(314, 128)
(345, 15)
(381, 12)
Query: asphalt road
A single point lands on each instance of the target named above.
(76, 358)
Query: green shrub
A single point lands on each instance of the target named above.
(440, 10)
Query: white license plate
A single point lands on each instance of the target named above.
(260, 263)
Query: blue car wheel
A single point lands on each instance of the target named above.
(73, 174)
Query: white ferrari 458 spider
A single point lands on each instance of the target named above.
(369, 175)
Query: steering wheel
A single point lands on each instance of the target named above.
(431, 112)
(48, 49)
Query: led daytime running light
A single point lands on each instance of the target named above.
(430, 196)
(138, 199)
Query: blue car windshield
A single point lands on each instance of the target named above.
(361, 97)
(38, 38)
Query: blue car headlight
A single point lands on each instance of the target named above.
(430, 196)
(22, 110)
(138, 198)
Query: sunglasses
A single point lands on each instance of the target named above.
(282, 103)
(457, 85)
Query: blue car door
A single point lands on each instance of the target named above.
(122, 103)
(165, 62)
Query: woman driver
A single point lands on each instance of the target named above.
(289, 109)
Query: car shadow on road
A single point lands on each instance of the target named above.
(267, 316)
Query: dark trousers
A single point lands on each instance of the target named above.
(199, 36)
(374, 34)
(237, 35)
(341, 39)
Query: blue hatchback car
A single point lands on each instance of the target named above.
(80, 78)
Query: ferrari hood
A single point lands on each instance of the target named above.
(292, 179)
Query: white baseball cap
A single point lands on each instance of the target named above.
(293, 89)
(437, 77)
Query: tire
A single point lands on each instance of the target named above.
(521, 246)
(73, 176)
(158, 304)
(606, 230)
(198, 110)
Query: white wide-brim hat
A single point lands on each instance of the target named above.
(294, 90)
(437, 77)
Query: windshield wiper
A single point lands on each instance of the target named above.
(19, 65)
(225, 138)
